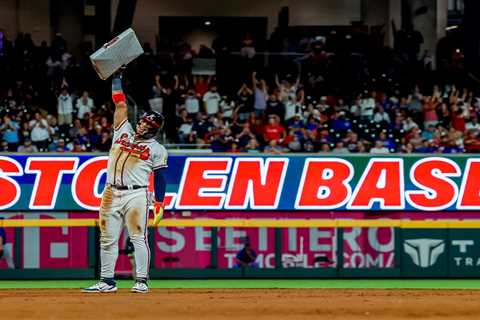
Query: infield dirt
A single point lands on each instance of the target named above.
(241, 304)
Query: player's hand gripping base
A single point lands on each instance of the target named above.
(157, 212)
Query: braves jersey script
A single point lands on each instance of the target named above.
(132, 160)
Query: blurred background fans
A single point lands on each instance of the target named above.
(388, 76)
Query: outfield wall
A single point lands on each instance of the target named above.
(72, 252)
(254, 187)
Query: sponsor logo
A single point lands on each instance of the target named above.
(424, 252)
(464, 253)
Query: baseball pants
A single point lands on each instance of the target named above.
(120, 208)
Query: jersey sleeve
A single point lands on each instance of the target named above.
(124, 127)
(159, 157)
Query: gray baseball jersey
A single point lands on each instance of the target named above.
(132, 160)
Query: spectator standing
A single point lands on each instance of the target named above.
(367, 106)
(275, 107)
(211, 101)
(430, 117)
(248, 49)
(191, 103)
(458, 117)
(201, 85)
(84, 105)
(247, 52)
(244, 102)
(290, 109)
(64, 108)
(260, 95)
(54, 67)
(227, 106)
(355, 108)
(288, 91)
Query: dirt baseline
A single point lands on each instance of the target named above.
(241, 304)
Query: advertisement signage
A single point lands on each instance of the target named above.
(227, 182)
(464, 253)
(417, 252)
(178, 247)
(46, 247)
(425, 252)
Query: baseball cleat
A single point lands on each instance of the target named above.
(140, 287)
(101, 287)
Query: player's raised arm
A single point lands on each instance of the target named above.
(119, 99)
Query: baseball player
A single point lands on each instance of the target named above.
(125, 200)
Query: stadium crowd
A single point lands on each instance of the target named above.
(53, 101)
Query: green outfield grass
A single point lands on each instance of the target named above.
(258, 284)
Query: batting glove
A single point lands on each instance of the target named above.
(157, 212)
